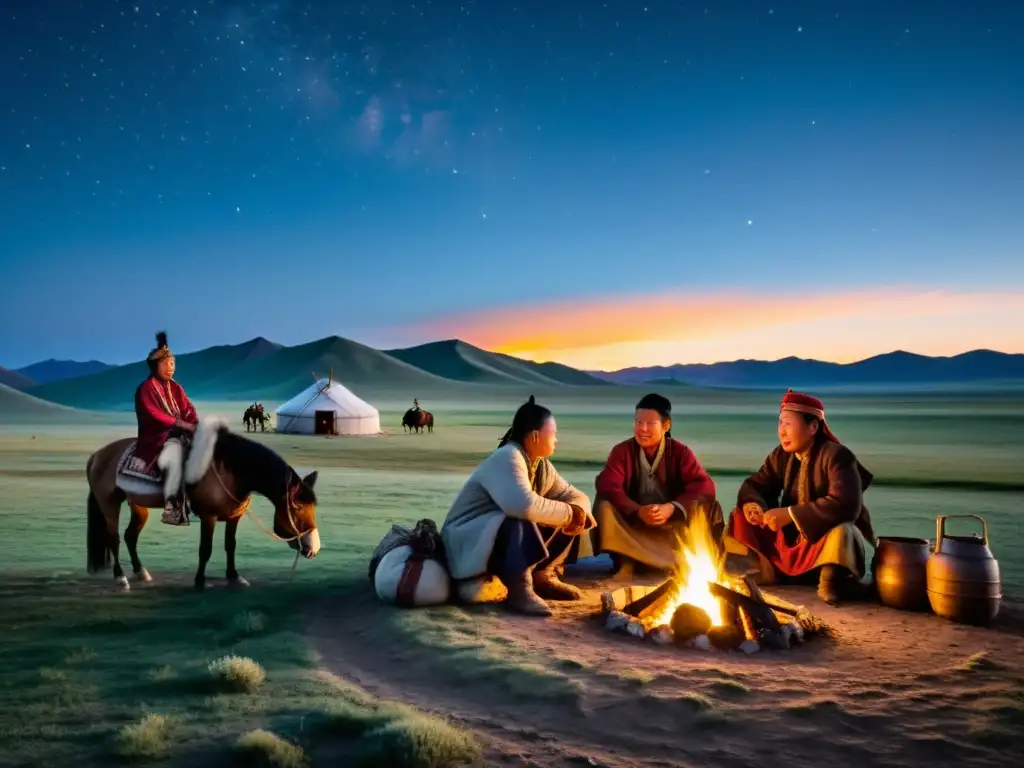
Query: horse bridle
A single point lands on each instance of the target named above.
(289, 505)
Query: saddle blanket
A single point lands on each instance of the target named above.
(135, 477)
(133, 466)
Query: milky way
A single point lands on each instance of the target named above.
(482, 150)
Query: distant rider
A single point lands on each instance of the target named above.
(165, 414)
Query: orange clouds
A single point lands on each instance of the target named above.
(680, 327)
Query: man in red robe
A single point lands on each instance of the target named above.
(803, 511)
(167, 421)
(649, 487)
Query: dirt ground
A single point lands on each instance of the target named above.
(893, 688)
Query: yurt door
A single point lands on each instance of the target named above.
(324, 423)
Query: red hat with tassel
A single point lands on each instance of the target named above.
(801, 403)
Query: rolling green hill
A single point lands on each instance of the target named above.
(257, 369)
(20, 408)
(289, 370)
(115, 387)
(260, 369)
(458, 361)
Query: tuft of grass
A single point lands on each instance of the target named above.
(148, 739)
(637, 676)
(162, 674)
(416, 741)
(247, 624)
(386, 734)
(353, 720)
(263, 749)
(573, 664)
(238, 674)
(977, 662)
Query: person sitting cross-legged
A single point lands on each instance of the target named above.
(803, 511)
(511, 527)
(649, 487)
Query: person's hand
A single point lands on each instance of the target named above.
(577, 523)
(753, 512)
(777, 518)
(656, 514)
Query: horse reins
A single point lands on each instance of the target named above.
(248, 511)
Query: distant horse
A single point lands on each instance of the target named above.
(417, 420)
(220, 474)
(255, 415)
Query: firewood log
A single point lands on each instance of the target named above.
(640, 606)
(768, 628)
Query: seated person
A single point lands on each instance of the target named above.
(164, 415)
(804, 509)
(515, 519)
(649, 485)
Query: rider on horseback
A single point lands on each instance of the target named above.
(165, 415)
(415, 404)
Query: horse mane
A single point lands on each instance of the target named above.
(259, 460)
(214, 440)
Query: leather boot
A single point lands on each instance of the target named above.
(829, 584)
(174, 512)
(548, 584)
(522, 598)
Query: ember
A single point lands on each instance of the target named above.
(700, 606)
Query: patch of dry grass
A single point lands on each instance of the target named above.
(976, 662)
(238, 674)
(263, 749)
(147, 739)
(389, 734)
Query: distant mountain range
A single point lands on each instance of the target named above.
(895, 368)
(56, 370)
(262, 369)
(48, 371)
(265, 370)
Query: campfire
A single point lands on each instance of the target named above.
(701, 606)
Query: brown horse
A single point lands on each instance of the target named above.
(418, 420)
(220, 474)
(255, 416)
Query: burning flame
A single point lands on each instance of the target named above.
(699, 563)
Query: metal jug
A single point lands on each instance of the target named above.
(963, 576)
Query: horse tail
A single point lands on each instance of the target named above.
(96, 539)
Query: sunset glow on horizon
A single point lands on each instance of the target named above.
(663, 329)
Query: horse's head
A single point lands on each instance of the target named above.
(295, 517)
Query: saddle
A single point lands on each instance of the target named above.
(162, 477)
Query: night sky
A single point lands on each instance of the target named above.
(604, 183)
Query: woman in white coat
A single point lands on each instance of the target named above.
(516, 519)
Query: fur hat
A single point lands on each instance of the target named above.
(159, 352)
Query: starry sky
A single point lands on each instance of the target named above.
(602, 183)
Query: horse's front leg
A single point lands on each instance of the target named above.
(230, 529)
(205, 549)
(140, 515)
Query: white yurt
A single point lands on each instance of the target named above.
(328, 408)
